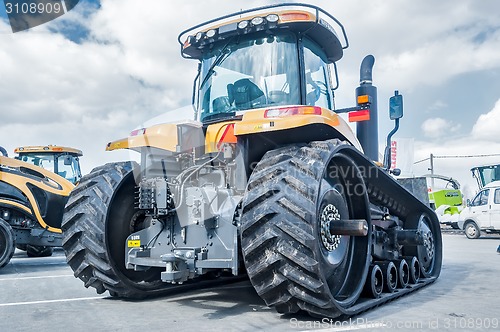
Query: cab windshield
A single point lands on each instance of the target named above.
(64, 165)
(249, 74)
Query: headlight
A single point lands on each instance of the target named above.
(257, 20)
(211, 33)
(272, 18)
(243, 25)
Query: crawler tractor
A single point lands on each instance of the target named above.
(32, 198)
(267, 181)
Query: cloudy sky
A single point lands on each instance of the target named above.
(94, 74)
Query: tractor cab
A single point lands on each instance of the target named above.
(61, 160)
(264, 58)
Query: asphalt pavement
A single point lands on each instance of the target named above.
(41, 294)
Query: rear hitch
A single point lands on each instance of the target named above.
(176, 269)
(180, 265)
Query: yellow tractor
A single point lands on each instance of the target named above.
(267, 180)
(34, 187)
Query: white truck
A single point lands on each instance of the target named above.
(482, 214)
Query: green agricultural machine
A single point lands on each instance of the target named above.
(446, 200)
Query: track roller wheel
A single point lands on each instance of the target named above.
(403, 273)
(98, 218)
(390, 276)
(414, 266)
(374, 282)
(7, 243)
(292, 259)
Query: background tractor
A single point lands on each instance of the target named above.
(267, 181)
(61, 160)
(32, 198)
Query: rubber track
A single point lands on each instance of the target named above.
(83, 228)
(277, 239)
(83, 239)
(8, 250)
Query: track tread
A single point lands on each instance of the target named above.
(292, 278)
(276, 236)
(84, 231)
(10, 243)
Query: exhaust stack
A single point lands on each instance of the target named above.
(367, 131)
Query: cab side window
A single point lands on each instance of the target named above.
(497, 196)
(316, 72)
(481, 198)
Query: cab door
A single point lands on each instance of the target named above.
(495, 209)
(479, 209)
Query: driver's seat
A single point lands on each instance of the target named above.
(245, 94)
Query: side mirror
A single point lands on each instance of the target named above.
(396, 106)
(468, 202)
(68, 160)
(395, 113)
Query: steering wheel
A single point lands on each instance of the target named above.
(319, 87)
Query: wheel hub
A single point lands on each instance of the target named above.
(429, 245)
(329, 214)
(427, 254)
(471, 231)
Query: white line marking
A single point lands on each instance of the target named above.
(51, 301)
(41, 277)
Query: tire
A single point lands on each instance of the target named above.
(291, 261)
(38, 251)
(471, 230)
(96, 223)
(7, 243)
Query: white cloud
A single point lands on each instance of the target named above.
(487, 126)
(54, 91)
(438, 127)
(456, 156)
(437, 106)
